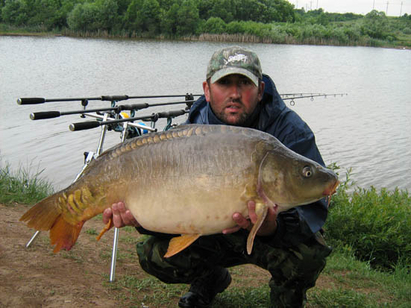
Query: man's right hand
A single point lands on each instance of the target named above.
(120, 216)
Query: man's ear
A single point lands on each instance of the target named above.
(261, 90)
(206, 88)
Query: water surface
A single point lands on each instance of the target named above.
(368, 130)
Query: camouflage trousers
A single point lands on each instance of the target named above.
(293, 269)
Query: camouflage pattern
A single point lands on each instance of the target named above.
(294, 269)
(234, 60)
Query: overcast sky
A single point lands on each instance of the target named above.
(356, 6)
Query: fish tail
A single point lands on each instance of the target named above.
(64, 234)
(48, 215)
(43, 215)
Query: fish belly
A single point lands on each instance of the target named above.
(189, 211)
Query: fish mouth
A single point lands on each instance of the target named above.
(331, 191)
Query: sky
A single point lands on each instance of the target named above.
(356, 6)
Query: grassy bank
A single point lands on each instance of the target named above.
(24, 186)
(359, 273)
(274, 38)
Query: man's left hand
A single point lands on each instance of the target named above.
(267, 228)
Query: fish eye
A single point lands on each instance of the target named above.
(307, 171)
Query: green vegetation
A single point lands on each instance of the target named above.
(22, 186)
(270, 21)
(370, 266)
(374, 225)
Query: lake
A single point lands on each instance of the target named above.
(368, 130)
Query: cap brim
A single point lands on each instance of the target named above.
(234, 70)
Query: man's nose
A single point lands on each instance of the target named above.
(235, 90)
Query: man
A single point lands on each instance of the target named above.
(289, 246)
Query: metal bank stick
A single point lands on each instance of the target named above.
(116, 230)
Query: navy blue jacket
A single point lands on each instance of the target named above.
(274, 117)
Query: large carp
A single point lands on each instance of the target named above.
(189, 181)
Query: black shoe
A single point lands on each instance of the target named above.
(204, 289)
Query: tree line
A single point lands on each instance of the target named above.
(275, 21)
(170, 17)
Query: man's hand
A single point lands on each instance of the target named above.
(267, 228)
(120, 215)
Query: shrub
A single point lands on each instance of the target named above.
(214, 25)
(377, 224)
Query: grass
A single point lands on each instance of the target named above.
(346, 280)
(354, 283)
(23, 186)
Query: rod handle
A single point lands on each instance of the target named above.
(84, 125)
(135, 106)
(31, 100)
(170, 114)
(45, 115)
(114, 97)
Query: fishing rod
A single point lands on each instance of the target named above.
(293, 96)
(134, 107)
(84, 100)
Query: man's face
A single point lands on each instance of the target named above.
(233, 98)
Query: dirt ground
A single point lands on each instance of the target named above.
(35, 277)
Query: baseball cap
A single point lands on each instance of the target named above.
(234, 60)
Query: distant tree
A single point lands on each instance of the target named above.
(169, 22)
(14, 12)
(375, 25)
(279, 11)
(249, 10)
(84, 17)
(149, 17)
(143, 16)
(204, 8)
(130, 15)
(106, 14)
(223, 9)
(2, 3)
(51, 14)
(188, 18)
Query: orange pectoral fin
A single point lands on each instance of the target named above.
(107, 227)
(63, 234)
(180, 243)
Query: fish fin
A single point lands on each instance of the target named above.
(179, 243)
(64, 235)
(261, 210)
(107, 227)
(43, 215)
